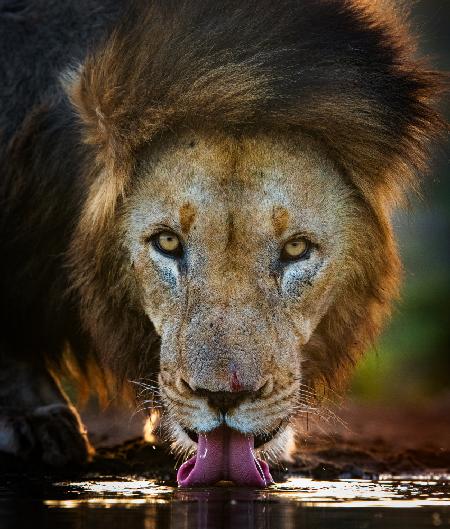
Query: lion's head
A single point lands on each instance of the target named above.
(244, 162)
(240, 246)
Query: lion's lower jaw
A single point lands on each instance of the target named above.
(279, 449)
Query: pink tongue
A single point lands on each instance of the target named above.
(224, 454)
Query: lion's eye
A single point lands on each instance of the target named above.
(168, 243)
(295, 249)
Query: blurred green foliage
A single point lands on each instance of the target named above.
(411, 362)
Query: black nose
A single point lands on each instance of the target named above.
(222, 400)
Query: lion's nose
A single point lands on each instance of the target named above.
(222, 400)
(226, 400)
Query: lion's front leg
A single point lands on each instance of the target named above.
(36, 420)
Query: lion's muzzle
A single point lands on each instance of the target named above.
(229, 382)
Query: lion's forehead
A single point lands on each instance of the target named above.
(260, 186)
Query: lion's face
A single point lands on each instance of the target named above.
(239, 247)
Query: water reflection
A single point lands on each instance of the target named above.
(143, 504)
(222, 508)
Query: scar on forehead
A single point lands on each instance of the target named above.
(280, 219)
(187, 216)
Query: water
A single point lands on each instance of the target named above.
(146, 504)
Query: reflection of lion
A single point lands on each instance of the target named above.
(204, 201)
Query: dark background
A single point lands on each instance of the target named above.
(411, 361)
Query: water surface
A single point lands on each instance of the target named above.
(135, 503)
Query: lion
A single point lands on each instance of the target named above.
(197, 197)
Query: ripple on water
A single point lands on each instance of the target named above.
(388, 492)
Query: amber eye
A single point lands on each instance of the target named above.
(168, 243)
(295, 249)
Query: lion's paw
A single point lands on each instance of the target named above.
(53, 435)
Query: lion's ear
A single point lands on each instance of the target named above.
(98, 99)
(90, 94)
